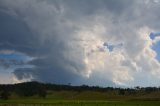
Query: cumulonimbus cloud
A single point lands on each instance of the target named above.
(66, 40)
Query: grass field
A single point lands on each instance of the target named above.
(50, 102)
(83, 97)
(86, 98)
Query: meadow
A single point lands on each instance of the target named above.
(49, 102)
(38, 94)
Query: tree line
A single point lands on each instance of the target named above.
(28, 89)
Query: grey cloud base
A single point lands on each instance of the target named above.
(66, 40)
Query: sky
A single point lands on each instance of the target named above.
(93, 42)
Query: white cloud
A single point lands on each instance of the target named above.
(83, 36)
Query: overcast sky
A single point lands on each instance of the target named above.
(95, 42)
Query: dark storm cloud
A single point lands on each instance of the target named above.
(49, 63)
(27, 33)
(46, 31)
(15, 35)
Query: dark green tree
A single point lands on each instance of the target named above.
(42, 93)
(5, 95)
(121, 92)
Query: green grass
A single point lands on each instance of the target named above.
(85, 98)
(50, 102)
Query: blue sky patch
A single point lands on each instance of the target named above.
(153, 35)
(156, 47)
(111, 47)
(13, 59)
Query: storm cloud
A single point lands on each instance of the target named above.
(63, 41)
